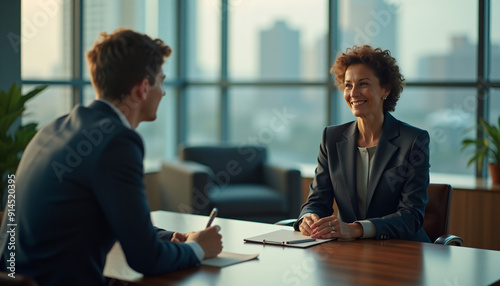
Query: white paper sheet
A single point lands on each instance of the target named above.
(228, 258)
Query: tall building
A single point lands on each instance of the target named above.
(280, 55)
(280, 59)
(459, 64)
(319, 54)
(451, 111)
(106, 16)
(371, 22)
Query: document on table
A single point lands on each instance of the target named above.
(122, 271)
(286, 237)
(228, 258)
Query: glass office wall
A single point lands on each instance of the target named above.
(448, 114)
(155, 18)
(47, 105)
(202, 34)
(202, 115)
(48, 44)
(495, 41)
(46, 41)
(276, 40)
(494, 107)
(286, 119)
(408, 30)
(236, 63)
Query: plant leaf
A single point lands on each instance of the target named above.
(14, 136)
(25, 133)
(13, 98)
(32, 93)
(480, 158)
(7, 120)
(468, 142)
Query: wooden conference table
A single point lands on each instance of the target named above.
(358, 262)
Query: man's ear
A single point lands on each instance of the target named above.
(140, 90)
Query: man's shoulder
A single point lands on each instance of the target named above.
(98, 116)
(84, 124)
(102, 121)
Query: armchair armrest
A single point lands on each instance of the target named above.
(287, 182)
(449, 239)
(183, 187)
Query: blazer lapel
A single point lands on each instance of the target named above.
(384, 153)
(346, 151)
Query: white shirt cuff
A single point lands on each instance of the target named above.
(369, 229)
(198, 251)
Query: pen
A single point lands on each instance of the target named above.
(301, 241)
(213, 214)
(273, 242)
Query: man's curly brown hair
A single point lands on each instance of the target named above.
(381, 62)
(122, 59)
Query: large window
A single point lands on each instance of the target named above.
(202, 115)
(51, 39)
(258, 71)
(46, 41)
(276, 40)
(202, 38)
(446, 113)
(495, 41)
(286, 119)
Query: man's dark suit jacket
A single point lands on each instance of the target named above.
(79, 188)
(397, 187)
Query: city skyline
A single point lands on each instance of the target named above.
(132, 13)
(397, 25)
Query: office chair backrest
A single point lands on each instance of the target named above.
(437, 212)
(238, 164)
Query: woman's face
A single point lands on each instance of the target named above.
(362, 91)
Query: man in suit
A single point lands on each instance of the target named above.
(79, 185)
(377, 167)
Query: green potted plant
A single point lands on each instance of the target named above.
(14, 136)
(487, 146)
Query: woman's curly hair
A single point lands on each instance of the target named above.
(382, 63)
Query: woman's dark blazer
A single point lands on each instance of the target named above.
(397, 187)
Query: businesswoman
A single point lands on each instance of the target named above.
(376, 168)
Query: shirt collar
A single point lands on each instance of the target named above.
(118, 112)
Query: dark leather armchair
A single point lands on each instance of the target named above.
(437, 215)
(237, 180)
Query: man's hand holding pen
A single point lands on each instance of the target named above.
(209, 239)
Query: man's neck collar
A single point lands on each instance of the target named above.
(120, 114)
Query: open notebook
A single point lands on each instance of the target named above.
(286, 237)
